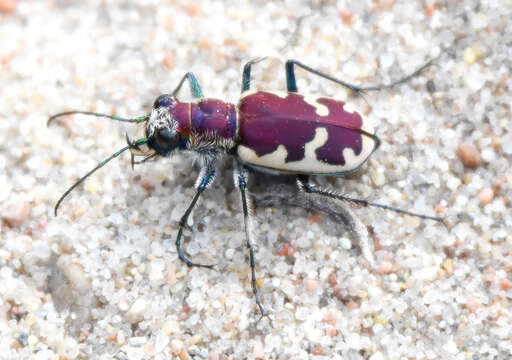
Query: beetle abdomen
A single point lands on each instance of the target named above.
(304, 134)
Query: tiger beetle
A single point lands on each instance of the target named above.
(275, 132)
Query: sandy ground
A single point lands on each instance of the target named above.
(102, 280)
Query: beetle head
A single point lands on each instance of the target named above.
(158, 135)
(161, 129)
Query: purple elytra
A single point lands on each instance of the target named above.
(267, 120)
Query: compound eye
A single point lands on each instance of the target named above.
(164, 100)
(167, 139)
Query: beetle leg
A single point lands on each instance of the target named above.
(291, 83)
(246, 75)
(304, 185)
(240, 179)
(400, 81)
(206, 177)
(195, 89)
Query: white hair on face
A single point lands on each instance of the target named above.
(160, 118)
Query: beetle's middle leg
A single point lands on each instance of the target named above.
(246, 75)
(204, 180)
(291, 83)
(304, 185)
(240, 179)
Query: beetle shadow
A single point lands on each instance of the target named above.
(282, 190)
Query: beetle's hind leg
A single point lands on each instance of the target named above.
(401, 80)
(304, 185)
(205, 179)
(291, 83)
(240, 179)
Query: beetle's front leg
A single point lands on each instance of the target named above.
(240, 179)
(205, 178)
(195, 89)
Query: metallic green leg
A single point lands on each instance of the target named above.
(195, 89)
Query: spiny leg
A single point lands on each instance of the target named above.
(284, 194)
(195, 89)
(304, 185)
(291, 83)
(206, 177)
(240, 178)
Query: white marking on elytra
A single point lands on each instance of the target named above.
(248, 93)
(279, 93)
(320, 109)
(321, 136)
(273, 160)
(348, 107)
(309, 164)
(365, 124)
